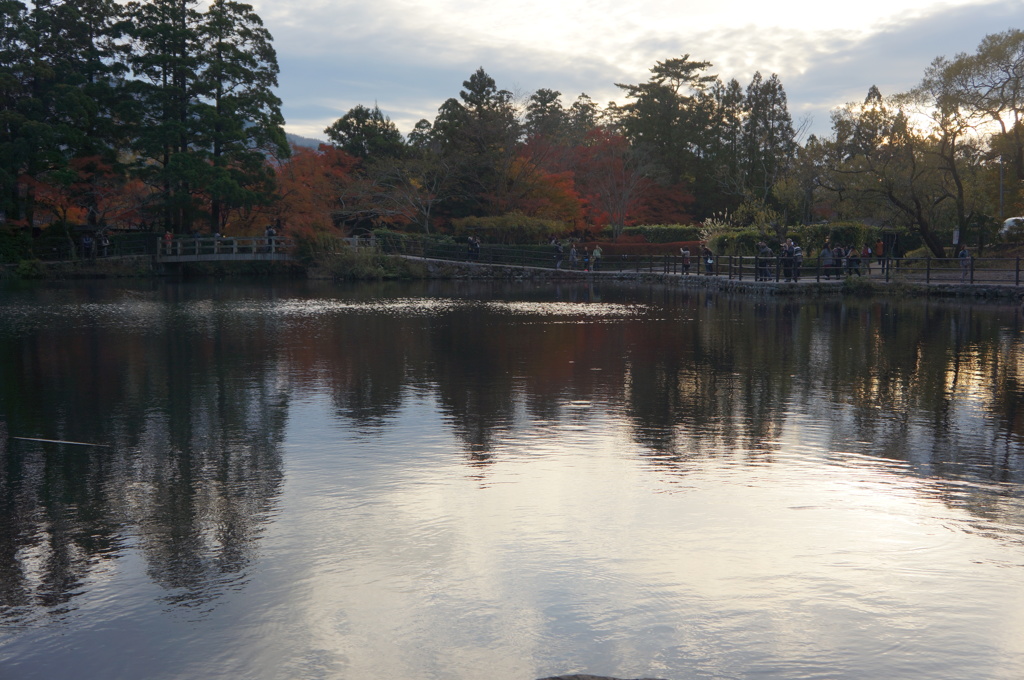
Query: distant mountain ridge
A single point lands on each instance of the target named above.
(299, 140)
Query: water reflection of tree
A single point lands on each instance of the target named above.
(195, 401)
(194, 464)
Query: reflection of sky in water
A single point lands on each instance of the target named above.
(575, 552)
(631, 501)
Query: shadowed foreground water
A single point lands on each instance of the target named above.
(506, 482)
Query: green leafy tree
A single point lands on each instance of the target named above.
(367, 133)
(891, 171)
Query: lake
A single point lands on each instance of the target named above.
(482, 480)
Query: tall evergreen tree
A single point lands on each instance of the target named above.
(165, 59)
(366, 133)
(208, 114)
(664, 117)
(769, 140)
(61, 81)
(20, 128)
(241, 116)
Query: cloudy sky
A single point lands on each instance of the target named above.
(408, 56)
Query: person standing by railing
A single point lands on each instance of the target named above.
(826, 261)
(764, 258)
(852, 260)
(596, 255)
(788, 258)
(270, 234)
(965, 262)
(838, 253)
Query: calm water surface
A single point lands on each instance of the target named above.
(474, 481)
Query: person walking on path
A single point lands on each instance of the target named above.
(685, 252)
(574, 256)
(965, 262)
(709, 259)
(596, 255)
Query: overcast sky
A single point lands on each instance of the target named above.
(409, 56)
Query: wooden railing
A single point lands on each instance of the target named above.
(191, 249)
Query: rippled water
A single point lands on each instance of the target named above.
(485, 481)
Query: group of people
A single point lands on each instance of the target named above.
(791, 258)
(98, 246)
(706, 256)
(838, 260)
(590, 259)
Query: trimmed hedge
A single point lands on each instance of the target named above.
(512, 228)
(665, 233)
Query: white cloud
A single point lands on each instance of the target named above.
(409, 57)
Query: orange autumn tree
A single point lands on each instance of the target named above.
(612, 177)
(547, 195)
(90, 191)
(310, 185)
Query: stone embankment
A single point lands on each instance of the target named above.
(806, 286)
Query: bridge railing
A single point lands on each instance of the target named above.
(928, 270)
(226, 247)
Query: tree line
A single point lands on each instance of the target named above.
(151, 113)
(162, 116)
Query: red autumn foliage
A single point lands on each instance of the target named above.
(310, 184)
